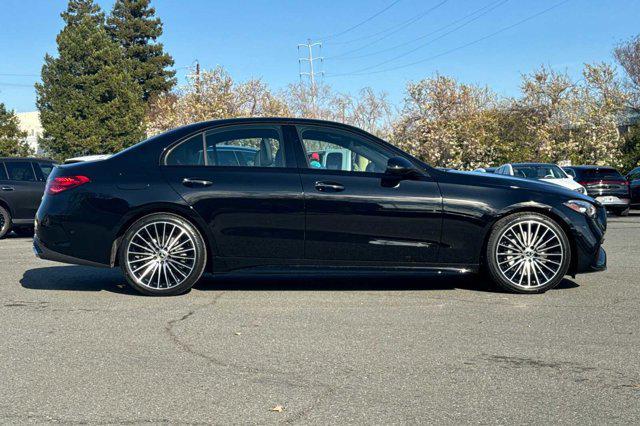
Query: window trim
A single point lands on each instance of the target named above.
(202, 132)
(6, 172)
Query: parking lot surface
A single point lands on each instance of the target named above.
(79, 346)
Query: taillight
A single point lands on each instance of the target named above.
(62, 183)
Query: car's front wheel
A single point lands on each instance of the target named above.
(5, 222)
(528, 253)
(162, 254)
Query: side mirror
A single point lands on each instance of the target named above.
(401, 167)
(570, 176)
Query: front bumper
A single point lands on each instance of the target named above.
(600, 262)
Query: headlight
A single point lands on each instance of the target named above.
(582, 207)
(582, 190)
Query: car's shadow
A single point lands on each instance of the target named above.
(81, 278)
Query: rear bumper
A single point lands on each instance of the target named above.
(41, 251)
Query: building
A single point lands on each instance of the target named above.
(30, 122)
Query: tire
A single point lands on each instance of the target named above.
(621, 212)
(5, 222)
(527, 260)
(23, 231)
(162, 254)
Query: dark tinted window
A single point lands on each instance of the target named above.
(337, 150)
(634, 174)
(599, 174)
(245, 146)
(20, 171)
(46, 169)
(3, 172)
(188, 153)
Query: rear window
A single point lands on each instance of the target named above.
(599, 174)
(20, 171)
(3, 172)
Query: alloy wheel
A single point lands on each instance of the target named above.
(161, 255)
(529, 254)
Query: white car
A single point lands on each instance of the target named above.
(541, 171)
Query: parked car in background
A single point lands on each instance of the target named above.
(606, 185)
(633, 177)
(165, 213)
(22, 182)
(486, 170)
(541, 171)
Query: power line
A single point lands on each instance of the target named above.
(330, 36)
(464, 24)
(395, 30)
(522, 21)
(377, 33)
(422, 37)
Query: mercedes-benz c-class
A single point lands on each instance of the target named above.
(290, 195)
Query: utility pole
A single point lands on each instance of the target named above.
(310, 59)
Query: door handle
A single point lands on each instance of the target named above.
(7, 188)
(191, 182)
(329, 187)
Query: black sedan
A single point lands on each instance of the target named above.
(168, 209)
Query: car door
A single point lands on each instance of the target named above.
(254, 208)
(22, 189)
(357, 213)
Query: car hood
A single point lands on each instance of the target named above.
(565, 182)
(512, 182)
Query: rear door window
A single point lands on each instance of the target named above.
(3, 172)
(21, 171)
(43, 170)
(245, 146)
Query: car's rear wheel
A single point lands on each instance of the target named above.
(162, 254)
(528, 253)
(5, 222)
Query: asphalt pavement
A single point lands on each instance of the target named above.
(77, 346)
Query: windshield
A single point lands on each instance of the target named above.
(538, 171)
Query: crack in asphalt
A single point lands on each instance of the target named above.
(301, 383)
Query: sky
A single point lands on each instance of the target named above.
(379, 43)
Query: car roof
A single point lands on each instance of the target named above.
(259, 120)
(48, 160)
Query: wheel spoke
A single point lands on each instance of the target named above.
(529, 254)
(161, 255)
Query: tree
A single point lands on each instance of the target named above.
(88, 101)
(12, 143)
(211, 95)
(446, 123)
(628, 55)
(133, 26)
(595, 138)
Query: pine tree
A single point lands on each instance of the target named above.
(12, 143)
(89, 103)
(132, 24)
